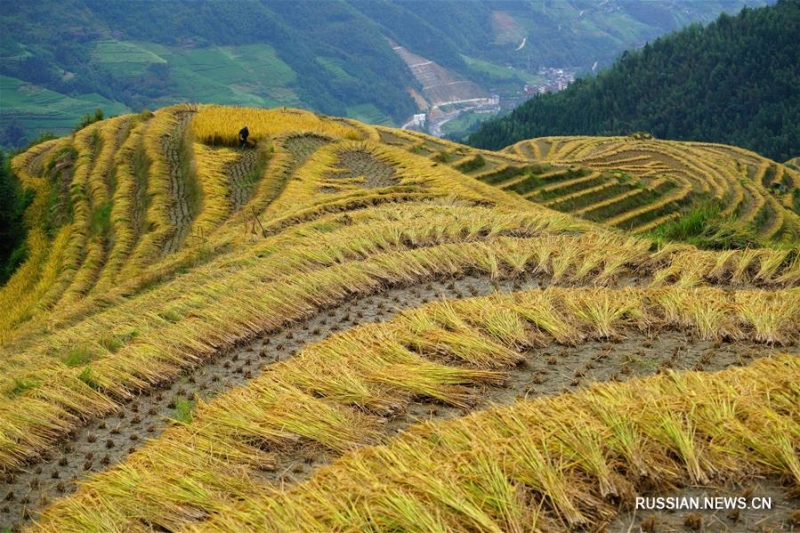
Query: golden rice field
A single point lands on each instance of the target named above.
(636, 184)
(344, 327)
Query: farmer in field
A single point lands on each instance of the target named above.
(244, 133)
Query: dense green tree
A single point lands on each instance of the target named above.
(735, 81)
(12, 230)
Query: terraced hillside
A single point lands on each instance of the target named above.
(640, 185)
(339, 328)
(668, 175)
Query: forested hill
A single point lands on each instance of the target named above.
(61, 59)
(736, 81)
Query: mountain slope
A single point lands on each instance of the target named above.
(643, 185)
(734, 82)
(353, 327)
(91, 53)
(338, 328)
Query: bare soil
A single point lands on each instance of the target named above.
(242, 178)
(355, 164)
(302, 147)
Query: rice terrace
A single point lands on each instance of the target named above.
(346, 327)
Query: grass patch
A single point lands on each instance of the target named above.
(20, 386)
(472, 164)
(533, 181)
(112, 343)
(327, 226)
(566, 190)
(183, 410)
(704, 227)
(761, 218)
(505, 174)
(646, 196)
(78, 356)
(443, 157)
(651, 215)
(171, 315)
(586, 200)
(101, 219)
(88, 376)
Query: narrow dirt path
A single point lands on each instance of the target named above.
(180, 208)
(242, 178)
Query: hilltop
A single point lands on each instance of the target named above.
(734, 81)
(62, 59)
(354, 327)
